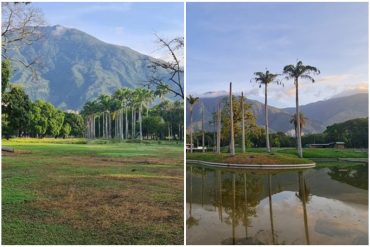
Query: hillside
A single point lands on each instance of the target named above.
(320, 114)
(336, 110)
(76, 67)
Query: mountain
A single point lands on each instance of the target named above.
(336, 110)
(76, 67)
(319, 114)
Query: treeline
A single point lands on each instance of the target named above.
(126, 114)
(23, 118)
(353, 132)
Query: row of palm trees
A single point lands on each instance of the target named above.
(106, 109)
(290, 72)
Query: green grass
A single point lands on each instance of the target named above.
(57, 191)
(328, 152)
(249, 158)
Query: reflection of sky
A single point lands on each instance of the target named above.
(329, 222)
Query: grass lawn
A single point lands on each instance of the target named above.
(56, 192)
(327, 152)
(249, 158)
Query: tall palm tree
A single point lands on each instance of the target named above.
(140, 94)
(123, 95)
(232, 143)
(265, 79)
(302, 122)
(243, 123)
(295, 72)
(192, 101)
(105, 101)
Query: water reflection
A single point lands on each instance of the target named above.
(269, 207)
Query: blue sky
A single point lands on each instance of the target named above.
(129, 24)
(230, 41)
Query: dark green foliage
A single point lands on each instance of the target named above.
(76, 123)
(16, 112)
(5, 74)
(355, 133)
(154, 125)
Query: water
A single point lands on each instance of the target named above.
(314, 206)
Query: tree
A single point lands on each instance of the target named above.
(5, 74)
(192, 101)
(231, 146)
(55, 120)
(15, 108)
(295, 72)
(66, 130)
(76, 122)
(173, 66)
(243, 122)
(20, 26)
(302, 122)
(265, 79)
(39, 119)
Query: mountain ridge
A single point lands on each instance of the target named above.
(340, 109)
(77, 67)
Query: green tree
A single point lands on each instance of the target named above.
(39, 118)
(66, 130)
(15, 108)
(192, 101)
(55, 121)
(296, 72)
(265, 78)
(76, 122)
(5, 74)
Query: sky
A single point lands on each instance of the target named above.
(129, 24)
(228, 42)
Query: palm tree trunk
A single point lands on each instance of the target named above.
(203, 150)
(218, 148)
(232, 147)
(140, 122)
(191, 128)
(299, 141)
(243, 125)
(126, 124)
(267, 122)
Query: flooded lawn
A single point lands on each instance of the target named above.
(314, 206)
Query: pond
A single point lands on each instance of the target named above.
(313, 206)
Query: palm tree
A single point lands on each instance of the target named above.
(264, 79)
(295, 72)
(302, 122)
(243, 123)
(232, 146)
(192, 101)
(105, 101)
(123, 95)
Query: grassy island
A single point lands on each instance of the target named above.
(249, 158)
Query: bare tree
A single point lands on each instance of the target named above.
(20, 26)
(174, 82)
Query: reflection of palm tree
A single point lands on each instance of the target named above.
(271, 216)
(191, 221)
(233, 210)
(303, 195)
(203, 186)
(219, 172)
(246, 206)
